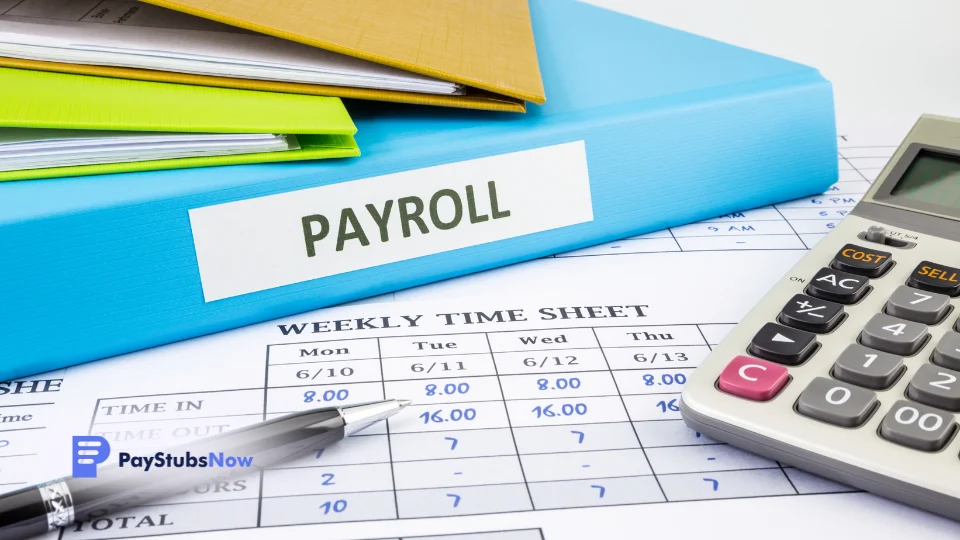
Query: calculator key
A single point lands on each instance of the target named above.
(866, 367)
(947, 351)
(752, 378)
(936, 386)
(935, 277)
(917, 426)
(860, 260)
(893, 335)
(918, 306)
(836, 403)
(838, 286)
(783, 344)
(808, 313)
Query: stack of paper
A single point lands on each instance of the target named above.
(40, 148)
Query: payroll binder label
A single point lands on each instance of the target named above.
(266, 242)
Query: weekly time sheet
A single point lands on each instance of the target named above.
(545, 405)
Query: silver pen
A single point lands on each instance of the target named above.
(38, 509)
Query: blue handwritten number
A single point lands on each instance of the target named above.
(328, 479)
(671, 405)
(453, 442)
(456, 499)
(336, 506)
(602, 489)
(330, 395)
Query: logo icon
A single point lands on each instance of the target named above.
(88, 451)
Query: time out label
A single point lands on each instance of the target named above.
(267, 242)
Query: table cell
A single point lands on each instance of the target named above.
(472, 415)
(814, 226)
(164, 407)
(526, 534)
(806, 483)
(452, 444)
(18, 471)
(301, 398)
(725, 485)
(767, 213)
(27, 441)
(463, 501)
(319, 480)
(713, 457)
(584, 493)
(25, 417)
(520, 363)
(669, 433)
(855, 184)
(652, 381)
(653, 407)
(591, 383)
(656, 357)
(456, 390)
(640, 244)
(168, 519)
(159, 433)
(583, 465)
(777, 225)
(425, 367)
(323, 351)
(539, 340)
(356, 450)
(714, 333)
(566, 411)
(449, 473)
(327, 508)
(731, 243)
(574, 438)
(348, 371)
(437, 345)
(641, 336)
(811, 240)
(815, 213)
(822, 201)
(247, 487)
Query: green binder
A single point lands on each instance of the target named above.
(40, 99)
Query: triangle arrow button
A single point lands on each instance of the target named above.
(782, 338)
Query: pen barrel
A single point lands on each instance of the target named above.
(267, 444)
(22, 514)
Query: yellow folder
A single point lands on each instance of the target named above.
(37, 99)
(486, 45)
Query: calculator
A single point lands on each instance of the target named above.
(850, 366)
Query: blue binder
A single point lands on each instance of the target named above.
(676, 128)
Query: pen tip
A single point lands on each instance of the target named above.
(404, 402)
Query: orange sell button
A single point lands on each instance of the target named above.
(935, 277)
(863, 261)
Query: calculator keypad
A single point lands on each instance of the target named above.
(783, 344)
(893, 335)
(811, 314)
(867, 367)
(838, 286)
(863, 261)
(836, 402)
(936, 386)
(918, 306)
(917, 426)
(936, 278)
(947, 351)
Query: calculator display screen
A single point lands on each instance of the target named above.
(932, 178)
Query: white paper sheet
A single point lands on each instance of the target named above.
(548, 415)
(133, 34)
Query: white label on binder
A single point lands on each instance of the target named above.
(266, 242)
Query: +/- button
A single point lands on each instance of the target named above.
(812, 314)
(783, 344)
(936, 278)
(863, 261)
(752, 378)
(838, 286)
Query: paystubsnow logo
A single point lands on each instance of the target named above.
(91, 450)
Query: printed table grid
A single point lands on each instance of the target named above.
(797, 224)
(502, 422)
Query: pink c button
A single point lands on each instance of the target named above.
(753, 379)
